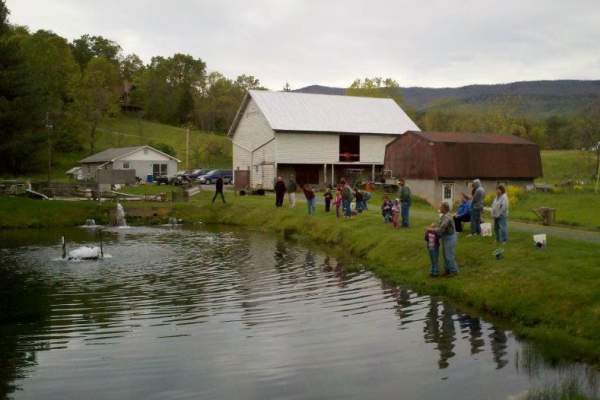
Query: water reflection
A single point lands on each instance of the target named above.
(199, 314)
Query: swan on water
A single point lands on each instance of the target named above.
(83, 252)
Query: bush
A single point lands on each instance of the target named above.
(515, 193)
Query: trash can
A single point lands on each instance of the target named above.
(150, 178)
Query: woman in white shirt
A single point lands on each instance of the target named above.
(500, 214)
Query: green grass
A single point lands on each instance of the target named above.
(126, 131)
(567, 390)
(550, 296)
(130, 131)
(573, 208)
(564, 165)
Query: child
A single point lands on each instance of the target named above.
(338, 201)
(433, 248)
(386, 209)
(395, 213)
(310, 199)
(328, 196)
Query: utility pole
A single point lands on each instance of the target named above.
(187, 148)
(597, 167)
(49, 130)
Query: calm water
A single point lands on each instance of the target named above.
(208, 314)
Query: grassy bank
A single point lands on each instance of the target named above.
(550, 296)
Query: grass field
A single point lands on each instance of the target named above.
(207, 150)
(550, 295)
(563, 165)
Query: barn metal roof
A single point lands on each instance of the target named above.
(462, 137)
(307, 112)
(118, 152)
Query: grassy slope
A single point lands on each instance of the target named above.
(128, 131)
(549, 295)
(562, 165)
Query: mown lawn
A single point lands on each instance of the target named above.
(550, 295)
(565, 165)
(574, 208)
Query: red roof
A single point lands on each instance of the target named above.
(462, 137)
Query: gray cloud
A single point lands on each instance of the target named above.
(419, 43)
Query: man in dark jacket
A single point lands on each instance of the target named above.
(219, 190)
(405, 201)
(478, 196)
(280, 190)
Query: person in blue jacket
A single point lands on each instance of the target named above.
(463, 213)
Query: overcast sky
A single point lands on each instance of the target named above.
(418, 42)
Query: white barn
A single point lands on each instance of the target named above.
(317, 138)
(145, 160)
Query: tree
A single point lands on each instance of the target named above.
(379, 87)
(97, 94)
(4, 13)
(87, 47)
(168, 88)
(165, 148)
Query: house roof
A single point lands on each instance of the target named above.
(307, 112)
(115, 153)
(453, 155)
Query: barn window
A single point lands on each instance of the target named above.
(349, 148)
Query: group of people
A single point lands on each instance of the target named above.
(442, 235)
(341, 200)
(445, 232)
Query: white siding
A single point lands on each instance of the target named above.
(253, 129)
(307, 148)
(251, 147)
(372, 147)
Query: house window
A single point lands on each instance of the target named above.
(125, 164)
(349, 148)
(159, 170)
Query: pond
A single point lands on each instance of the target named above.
(223, 314)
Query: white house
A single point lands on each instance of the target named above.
(145, 160)
(318, 138)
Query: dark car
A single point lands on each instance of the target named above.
(212, 176)
(196, 173)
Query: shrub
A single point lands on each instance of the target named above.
(515, 193)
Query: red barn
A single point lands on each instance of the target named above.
(440, 165)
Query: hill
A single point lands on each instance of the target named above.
(207, 150)
(534, 98)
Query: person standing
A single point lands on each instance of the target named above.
(292, 187)
(463, 213)
(311, 200)
(280, 190)
(360, 204)
(328, 196)
(346, 198)
(478, 196)
(219, 190)
(405, 202)
(433, 249)
(338, 201)
(500, 214)
(447, 233)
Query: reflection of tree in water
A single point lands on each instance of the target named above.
(24, 309)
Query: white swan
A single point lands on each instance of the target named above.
(82, 253)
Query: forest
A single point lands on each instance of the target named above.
(56, 94)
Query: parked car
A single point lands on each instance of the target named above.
(196, 173)
(162, 180)
(212, 176)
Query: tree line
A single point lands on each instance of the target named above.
(54, 93)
